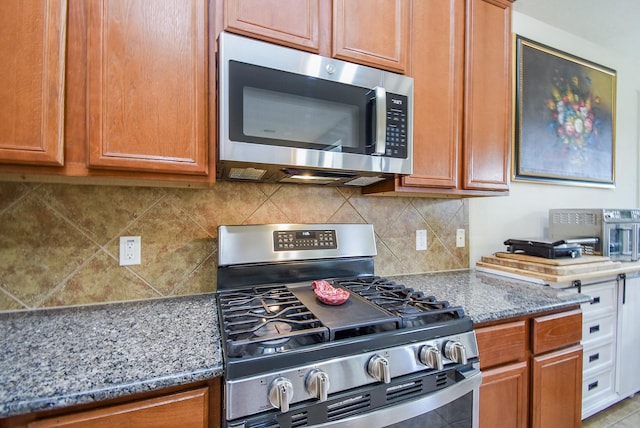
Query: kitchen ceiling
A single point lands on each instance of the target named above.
(611, 24)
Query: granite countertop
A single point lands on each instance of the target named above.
(487, 297)
(53, 358)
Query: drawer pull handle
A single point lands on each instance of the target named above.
(594, 329)
(592, 385)
(594, 357)
(595, 300)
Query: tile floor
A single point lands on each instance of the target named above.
(625, 414)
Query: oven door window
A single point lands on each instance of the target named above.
(621, 241)
(285, 109)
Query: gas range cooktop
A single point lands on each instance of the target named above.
(269, 319)
(281, 338)
(269, 312)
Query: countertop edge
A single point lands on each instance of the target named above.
(506, 315)
(102, 394)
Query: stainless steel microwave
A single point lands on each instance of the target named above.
(294, 117)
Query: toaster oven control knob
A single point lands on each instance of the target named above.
(281, 393)
(317, 384)
(378, 367)
(455, 351)
(431, 357)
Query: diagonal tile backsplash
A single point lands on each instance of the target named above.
(59, 243)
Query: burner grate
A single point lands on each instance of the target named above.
(267, 319)
(410, 305)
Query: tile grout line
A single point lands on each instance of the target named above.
(16, 299)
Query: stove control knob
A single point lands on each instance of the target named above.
(455, 351)
(431, 357)
(317, 384)
(378, 367)
(281, 393)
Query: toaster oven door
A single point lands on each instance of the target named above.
(620, 241)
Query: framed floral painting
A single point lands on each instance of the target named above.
(564, 118)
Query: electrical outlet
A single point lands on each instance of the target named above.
(130, 250)
(459, 238)
(421, 240)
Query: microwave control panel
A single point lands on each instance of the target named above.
(396, 144)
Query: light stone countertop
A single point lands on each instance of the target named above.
(54, 358)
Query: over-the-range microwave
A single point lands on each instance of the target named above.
(294, 117)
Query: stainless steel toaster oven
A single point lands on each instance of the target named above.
(617, 230)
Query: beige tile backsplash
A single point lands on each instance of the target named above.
(59, 243)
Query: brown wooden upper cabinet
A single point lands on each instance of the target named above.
(127, 95)
(373, 32)
(130, 93)
(147, 86)
(461, 64)
(32, 66)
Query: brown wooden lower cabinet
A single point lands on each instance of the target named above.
(185, 409)
(503, 396)
(196, 406)
(556, 383)
(531, 371)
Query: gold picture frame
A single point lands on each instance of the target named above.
(564, 118)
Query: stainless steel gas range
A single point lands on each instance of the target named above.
(381, 355)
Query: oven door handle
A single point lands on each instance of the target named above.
(406, 410)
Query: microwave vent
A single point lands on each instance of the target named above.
(574, 218)
(253, 174)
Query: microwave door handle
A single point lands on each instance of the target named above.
(381, 121)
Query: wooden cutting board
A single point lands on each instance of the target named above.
(520, 272)
(541, 265)
(554, 262)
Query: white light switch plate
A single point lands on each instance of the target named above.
(460, 238)
(421, 240)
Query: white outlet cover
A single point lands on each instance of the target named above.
(421, 240)
(130, 250)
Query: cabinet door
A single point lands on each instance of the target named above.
(147, 85)
(372, 32)
(32, 48)
(503, 396)
(294, 23)
(557, 389)
(487, 104)
(437, 29)
(185, 409)
(628, 375)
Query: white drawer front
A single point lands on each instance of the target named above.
(597, 328)
(595, 386)
(604, 299)
(597, 357)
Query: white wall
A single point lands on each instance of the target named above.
(524, 213)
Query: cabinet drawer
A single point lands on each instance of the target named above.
(596, 386)
(188, 409)
(597, 328)
(597, 357)
(500, 344)
(556, 331)
(604, 299)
